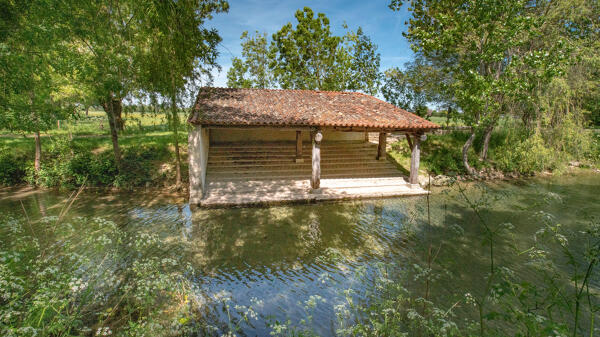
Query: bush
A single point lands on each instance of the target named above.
(12, 168)
(442, 154)
(527, 155)
(68, 165)
(515, 149)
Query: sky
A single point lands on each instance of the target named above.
(380, 23)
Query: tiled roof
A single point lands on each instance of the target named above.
(275, 107)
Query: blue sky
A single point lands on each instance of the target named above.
(384, 26)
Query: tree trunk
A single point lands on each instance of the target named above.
(117, 112)
(110, 106)
(175, 125)
(486, 142)
(38, 152)
(87, 110)
(465, 152)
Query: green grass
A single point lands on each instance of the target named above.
(92, 132)
(440, 154)
(146, 140)
(441, 121)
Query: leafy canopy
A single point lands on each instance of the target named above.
(307, 56)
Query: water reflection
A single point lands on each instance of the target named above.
(284, 255)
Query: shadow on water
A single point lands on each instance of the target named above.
(283, 256)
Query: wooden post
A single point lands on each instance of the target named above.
(366, 136)
(381, 146)
(299, 147)
(414, 161)
(315, 181)
(409, 141)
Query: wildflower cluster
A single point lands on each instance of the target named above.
(73, 278)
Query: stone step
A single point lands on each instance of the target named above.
(324, 153)
(290, 155)
(291, 168)
(304, 183)
(289, 165)
(288, 161)
(305, 145)
(212, 177)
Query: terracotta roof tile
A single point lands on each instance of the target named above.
(277, 107)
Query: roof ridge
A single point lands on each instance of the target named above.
(282, 89)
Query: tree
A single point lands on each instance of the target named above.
(399, 90)
(108, 43)
(489, 43)
(364, 63)
(253, 71)
(31, 72)
(307, 56)
(181, 48)
(422, 83)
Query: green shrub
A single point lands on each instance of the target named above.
(68, 165)
(442, 154)
(527, 155)
(12, 168)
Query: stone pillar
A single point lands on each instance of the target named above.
(198, 146)
(315, 180)
(382, 145)
(414, 161)
(299, 158)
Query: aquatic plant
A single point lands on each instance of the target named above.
(88, 277)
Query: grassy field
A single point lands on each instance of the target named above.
(92, 132)
(81, 150)
(441, 121)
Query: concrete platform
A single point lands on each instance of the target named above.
(269, 192)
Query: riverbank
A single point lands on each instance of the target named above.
(80, 153)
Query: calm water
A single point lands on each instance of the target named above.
(284, 255)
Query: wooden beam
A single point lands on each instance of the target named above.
(381, 146)
(315, 180)
(414, 161)
(409, 141)
(299, 147)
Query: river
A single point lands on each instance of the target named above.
(290, 262)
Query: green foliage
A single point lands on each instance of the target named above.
(69, 165)
(526, 154)
(12, 167)
(307, 56)
(420, 84)
(440, 154)
(80, 277)
(253, 71)
(500, 302)
(398, 90)
(515, 149)
(32, 74)
(393, 310)
(495, 61)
